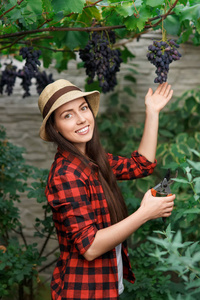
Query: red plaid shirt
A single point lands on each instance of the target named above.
(80, 209)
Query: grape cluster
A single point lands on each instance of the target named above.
(161, 54)
(29, 71)
(26, 82)
(42, 80)
(32, 60)
(8, 78)
(101, 59)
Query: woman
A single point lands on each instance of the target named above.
(88, 209)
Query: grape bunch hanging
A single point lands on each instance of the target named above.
(101, 60)
(29, 71)
(8, 78)
(161, 54)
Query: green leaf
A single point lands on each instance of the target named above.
(195, 152)
(125, 9)
(198, 26)
(46, 5)
(75, 39)
(129, 91)
(34, 6)
(88, 14)
(130, 78)
(68, 6)
(190, 13)
(186, 34)
(154, 3)
(47, 58)
(197, 136)
(172, 25)
(184, 149)
(192, 211)
(144, 15)
(195, 165)
(181, 137)
(180, 180)
(190, 104)
(125, 54)
(161, 149)
(142, 185)
(197, 185)
(165, 132)
(92, 87)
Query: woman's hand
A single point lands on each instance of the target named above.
(157, 207)
(155, 101)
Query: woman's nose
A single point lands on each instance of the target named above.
(80, 118)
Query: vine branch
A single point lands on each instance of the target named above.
(5, 12)
(80, 29)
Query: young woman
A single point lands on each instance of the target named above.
(88, 209)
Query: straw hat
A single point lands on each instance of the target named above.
(58, 93)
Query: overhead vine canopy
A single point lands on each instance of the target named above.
(60, 28)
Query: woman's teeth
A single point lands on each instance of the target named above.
(83, 130)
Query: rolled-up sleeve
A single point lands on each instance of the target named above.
(131, 168)
(69, 198)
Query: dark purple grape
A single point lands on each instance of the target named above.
(161, 54)
(8, 78)
(42, 80)
(100, 59)
(32, 60)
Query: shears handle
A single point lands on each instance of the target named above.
(154, 192)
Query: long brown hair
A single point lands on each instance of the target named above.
(94, 150)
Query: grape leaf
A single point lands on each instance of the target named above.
(172, 25)
(190, 13)
(143, 18)
(195, 165)
(126, 9)
(34, 6)
(74, 39)
(132, 23)
(68, 6)
(154, 3)
(46, 5)
(198, 25)
(88, 14)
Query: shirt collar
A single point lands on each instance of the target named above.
(87, 165)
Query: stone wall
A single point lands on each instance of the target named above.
(22, 119)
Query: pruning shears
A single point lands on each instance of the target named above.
(163, 188)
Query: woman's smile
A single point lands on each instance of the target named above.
(83, 130)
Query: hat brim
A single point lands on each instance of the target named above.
(92, 97)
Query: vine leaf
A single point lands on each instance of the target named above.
(154, 3)
(68, 6)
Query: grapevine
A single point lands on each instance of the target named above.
(26, 74)
(32, 60)
(161, 54)
(42, 80)
(8, 78)
(101, 60)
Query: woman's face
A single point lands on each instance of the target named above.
(75, 121)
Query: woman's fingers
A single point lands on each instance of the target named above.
(167, 90)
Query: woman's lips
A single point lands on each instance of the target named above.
(83, 130)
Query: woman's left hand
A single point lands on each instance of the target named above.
(155, 101)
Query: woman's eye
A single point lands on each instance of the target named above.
(85, 107)
(68, 116)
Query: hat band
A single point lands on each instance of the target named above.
(55, 97)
